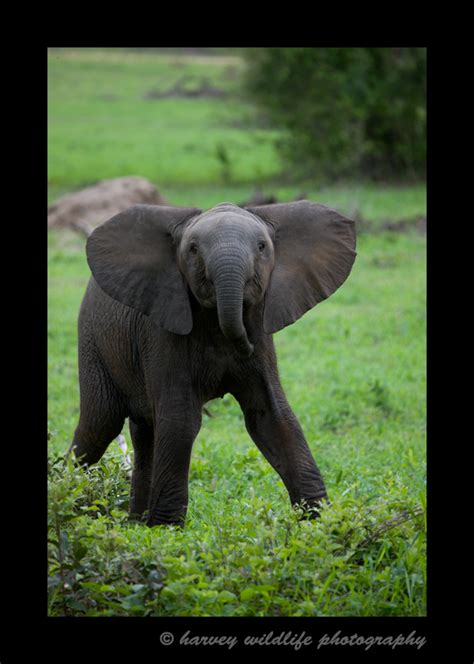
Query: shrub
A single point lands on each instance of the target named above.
(346, 111)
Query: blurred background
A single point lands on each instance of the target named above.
(345, 126)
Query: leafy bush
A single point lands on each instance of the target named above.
(361, 558)
(346, 111)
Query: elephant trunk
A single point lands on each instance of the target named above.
(229, 277)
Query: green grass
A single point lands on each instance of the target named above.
(353, 370)
(101, 126)
(98, 111)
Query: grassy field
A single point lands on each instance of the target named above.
(353, 370)
(198, 151)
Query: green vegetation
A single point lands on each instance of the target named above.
(353, 370)
(99, 112)
(197, 150)
(345, 110)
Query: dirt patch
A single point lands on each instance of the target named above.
(88, 208)
(260, 197)
(188, 86)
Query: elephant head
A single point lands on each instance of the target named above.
(290, 256)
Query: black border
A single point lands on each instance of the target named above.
(25, 564)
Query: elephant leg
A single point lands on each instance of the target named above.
(93, 436)
(277, 433)
(142, 439)
(102, 413)
(174, 436)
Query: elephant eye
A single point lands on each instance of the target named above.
(261, 246)
(193, 249)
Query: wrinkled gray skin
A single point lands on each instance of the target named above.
(181, 309)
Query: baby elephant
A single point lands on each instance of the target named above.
(181, 309)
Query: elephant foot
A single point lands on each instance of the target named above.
(165, 521)
(310, 508)
(138, 517)
(167, 517)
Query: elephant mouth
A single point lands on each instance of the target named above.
(206, 295)
(207, 298)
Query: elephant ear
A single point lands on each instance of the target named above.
(132, 257)
(314, 254)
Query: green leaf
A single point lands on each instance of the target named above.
(168, 592)
(246, 594)
(132, 601)
(226, 596)
(75, 604)
(98, 587)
